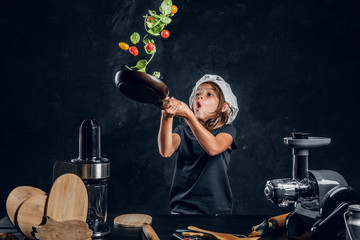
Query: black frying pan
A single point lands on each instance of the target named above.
(142, 87)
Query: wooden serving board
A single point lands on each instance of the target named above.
(68, 199)
(31, 213)
(132, 220)
(17, 197)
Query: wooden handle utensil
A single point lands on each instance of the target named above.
(149, 232)
(220, 236)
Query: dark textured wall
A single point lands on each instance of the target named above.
(294, 66)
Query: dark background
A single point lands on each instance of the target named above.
(294, 66)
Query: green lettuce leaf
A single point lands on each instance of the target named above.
(135, 38)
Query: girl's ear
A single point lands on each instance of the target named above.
(225, 107)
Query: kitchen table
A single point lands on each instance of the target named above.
(165, 226)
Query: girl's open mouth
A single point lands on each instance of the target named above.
(198, 106)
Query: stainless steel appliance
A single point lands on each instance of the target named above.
(94, 171)
(352, 222)
(320, 197)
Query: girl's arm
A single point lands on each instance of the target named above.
(168, 142)
(213, 145)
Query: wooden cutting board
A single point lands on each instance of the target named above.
(68, 199)
(132, 220)
(31, 213)
(17, 197)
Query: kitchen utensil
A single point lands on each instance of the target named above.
(94, 170)
(132, 220)
(149, 232)
(271, 224)
(68, 199)
(197, 234)
(142, 87)
(17, 197)
(64, 230)
(31, 214)
(220, 236)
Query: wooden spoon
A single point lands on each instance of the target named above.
(68, 199)
(17, 197)
(220, 236)
(31, 213)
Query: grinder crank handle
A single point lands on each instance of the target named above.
(322, 224)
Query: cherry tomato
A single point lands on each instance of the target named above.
(165, 33)
(149, 47)
(123, 45)
(150, 19)
(174, 9)
(134, 51)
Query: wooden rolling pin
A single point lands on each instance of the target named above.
(149, 232)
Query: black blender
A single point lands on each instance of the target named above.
(94, 171)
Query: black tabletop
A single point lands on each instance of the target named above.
(166, 225)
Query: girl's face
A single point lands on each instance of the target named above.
(206, 102)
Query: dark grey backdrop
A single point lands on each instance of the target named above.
(294, 66)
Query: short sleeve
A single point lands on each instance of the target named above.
(230, 129)
(177, 130)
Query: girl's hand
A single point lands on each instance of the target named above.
(183, 110)
(172, 107)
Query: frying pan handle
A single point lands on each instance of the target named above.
(163, 104)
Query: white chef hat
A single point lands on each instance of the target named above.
(230, 98)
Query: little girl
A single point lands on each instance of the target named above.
(200, 183)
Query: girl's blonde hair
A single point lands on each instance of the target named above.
(219, 118)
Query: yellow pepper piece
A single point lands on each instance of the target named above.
(123, 46)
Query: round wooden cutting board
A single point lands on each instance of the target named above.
(68, 199)
(132, 220)
(17, 197)
(31, 213)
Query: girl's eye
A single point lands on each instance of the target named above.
(197, 94)
(210, 94)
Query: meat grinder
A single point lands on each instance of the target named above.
(94, 171)
(320, 197)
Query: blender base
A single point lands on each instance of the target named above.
(100, 230)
